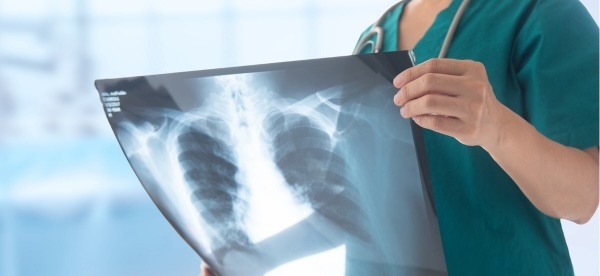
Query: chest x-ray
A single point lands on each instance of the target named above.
(297, 168)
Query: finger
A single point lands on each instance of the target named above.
(444, 125)
(434, 104)
(206, 271)
(436, 65)
(430, 83)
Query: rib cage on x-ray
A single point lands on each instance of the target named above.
(298, 139)
(209, 169)
(304, 154)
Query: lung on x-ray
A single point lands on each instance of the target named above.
(296, 168)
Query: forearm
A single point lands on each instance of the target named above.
(560, 181)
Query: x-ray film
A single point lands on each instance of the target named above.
(296, 168)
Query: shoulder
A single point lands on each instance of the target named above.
(556, 25)
(553, 12)
(528, 5)
(387, 22)
(505, 11)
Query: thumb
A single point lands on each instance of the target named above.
(205, 271)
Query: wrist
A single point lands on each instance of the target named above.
(507, 127)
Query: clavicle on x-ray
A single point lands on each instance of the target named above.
(283, 169)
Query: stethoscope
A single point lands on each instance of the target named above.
(376, 32)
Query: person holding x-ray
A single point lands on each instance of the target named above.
(508, 94)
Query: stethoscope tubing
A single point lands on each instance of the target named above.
(376, 32)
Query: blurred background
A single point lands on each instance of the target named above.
(69, 202)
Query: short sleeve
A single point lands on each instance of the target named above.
(556, 62)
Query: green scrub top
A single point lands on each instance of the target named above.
(542, 61)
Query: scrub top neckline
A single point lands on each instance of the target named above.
(435, 32)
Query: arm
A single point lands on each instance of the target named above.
(560, 181)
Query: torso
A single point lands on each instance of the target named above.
(488, 225)
(417, 16)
